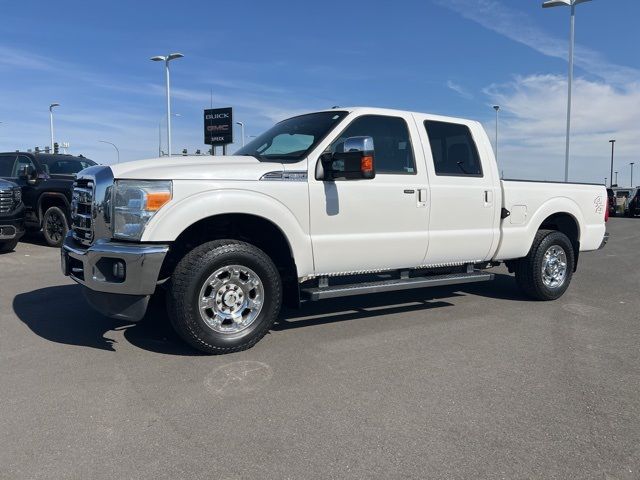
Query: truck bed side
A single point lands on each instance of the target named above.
(530, 205)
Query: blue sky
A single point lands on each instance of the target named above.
(272, 59)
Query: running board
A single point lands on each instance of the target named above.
(321, 293)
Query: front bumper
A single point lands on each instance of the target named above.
(11, 228)
(119, 277)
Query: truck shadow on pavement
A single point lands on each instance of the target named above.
(61, 315)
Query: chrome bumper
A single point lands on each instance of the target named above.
(93, 267)
(604, 240)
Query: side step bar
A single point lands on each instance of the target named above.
(321, 293)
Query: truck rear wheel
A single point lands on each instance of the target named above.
(545, 273)
(224, 296)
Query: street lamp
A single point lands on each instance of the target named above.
(612, 142)
(241, 131)
(51, 121)
(114, 146)
(166, 59)
(572, 40)
(632, 163)
(497, 109)
(160, 132)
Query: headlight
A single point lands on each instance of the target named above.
(17, 195)
(135, 202)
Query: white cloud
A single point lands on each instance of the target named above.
(533, 127)
(16, 58)
(459, 89)
(519, 27)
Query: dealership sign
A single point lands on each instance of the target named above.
(218, 126)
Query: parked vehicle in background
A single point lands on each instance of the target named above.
(11, 215)
(633, 203)
(611, 202)
(329, 204)
(622, 199)
(46, 181)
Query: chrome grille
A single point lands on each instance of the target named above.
(6, 201)
(81, 210)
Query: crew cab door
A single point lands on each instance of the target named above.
(464, 192)
(374, 224)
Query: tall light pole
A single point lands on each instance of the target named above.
(612, 142)
(616, 182)
(572, 39)
(497, 109)
(51, 107)
(114, 146)
(632, 163)
(166, 59)
(160, 132)
(241, 131)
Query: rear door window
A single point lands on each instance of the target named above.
(453, 149)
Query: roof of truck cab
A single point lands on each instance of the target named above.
(395, 111)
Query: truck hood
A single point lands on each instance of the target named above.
(202, 167)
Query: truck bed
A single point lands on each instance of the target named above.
(529, 204)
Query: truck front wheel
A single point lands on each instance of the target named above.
(224, 296)
(8, 246)
(54, 226)
(545, 273)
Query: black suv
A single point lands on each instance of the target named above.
(47, 186)
(11, 215)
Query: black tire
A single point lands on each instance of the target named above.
(54, 226)
(191, 274)
(8, 246)
(529, 276)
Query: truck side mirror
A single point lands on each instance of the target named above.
(355, 163)
(27, 173)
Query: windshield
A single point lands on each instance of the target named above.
(293, 138)
(65, 166)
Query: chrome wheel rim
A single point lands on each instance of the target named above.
(231, 299)
(554, 267)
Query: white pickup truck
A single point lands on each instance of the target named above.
(333, 203)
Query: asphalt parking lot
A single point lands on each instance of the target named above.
(470, 382)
